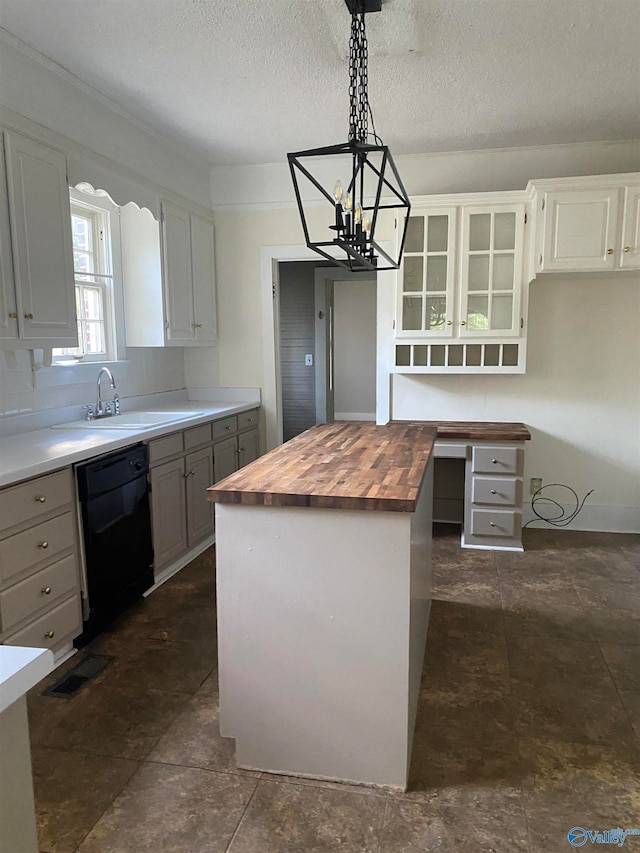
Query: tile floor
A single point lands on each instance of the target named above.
(529, 722)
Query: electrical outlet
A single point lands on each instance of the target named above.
(536, 485)
(308, 359)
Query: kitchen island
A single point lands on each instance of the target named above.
(323, 561)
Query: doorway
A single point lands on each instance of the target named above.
(326, 344)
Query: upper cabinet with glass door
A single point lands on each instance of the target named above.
(460, 303)
(491, 274)
(427, 274)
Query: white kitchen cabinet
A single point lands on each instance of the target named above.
(461, 295)
(189, 277)
(587, 224)
(630, 256)
(8, 305)
(40, 226)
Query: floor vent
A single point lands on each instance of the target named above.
(79, 676)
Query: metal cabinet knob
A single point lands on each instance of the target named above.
(46, 590)
(41, 498)
(13, 315)
(44, 545)
(493, 492)
(495, 461)
(463, 322)
(28, 316)
(197, 325)
(492, 524)
(228, 429)
(609, 251)
(49, 635)
(449, 322)
(192, 473)
(250, 420)
(626, 249)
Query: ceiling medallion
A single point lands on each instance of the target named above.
(340, 223)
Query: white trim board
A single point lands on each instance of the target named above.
(600, 518)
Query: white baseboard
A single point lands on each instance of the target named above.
(600, 518)
(174, 568)
(355, 416)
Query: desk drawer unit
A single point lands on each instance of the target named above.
(493, 496)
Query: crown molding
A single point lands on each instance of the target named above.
(69, 77)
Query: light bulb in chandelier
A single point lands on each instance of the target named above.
(338, 192)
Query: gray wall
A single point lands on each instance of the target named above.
(297, 337)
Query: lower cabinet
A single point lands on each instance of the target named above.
(39, 578)
(182, 515)
(183, 466)
(493, 496)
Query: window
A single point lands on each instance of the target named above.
(92, 231)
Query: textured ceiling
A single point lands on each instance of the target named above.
(245, 81)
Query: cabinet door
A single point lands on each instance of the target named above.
(204, 279)
(630, 257)
(248, 447)
(168, 512)
(580, 230)
(225, 458)
(199, 471)
(178, 276)
(426, 276)
(491, 273)
(8, 307)
(41, 239)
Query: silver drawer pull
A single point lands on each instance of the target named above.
(44, 545)
(250, 420)
(228, 428)
(493, 492)
(46, 590)
(192, 473)
(495, 461)
(41, 499)
(492, 524)
(49, 635)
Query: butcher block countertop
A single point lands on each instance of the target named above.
(337, 466)
(477, 430)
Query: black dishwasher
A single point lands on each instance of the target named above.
(116, 524)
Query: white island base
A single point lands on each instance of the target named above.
(322, 624)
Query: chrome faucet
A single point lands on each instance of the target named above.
(110, 407)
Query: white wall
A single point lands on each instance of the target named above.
(354, 344)
(580, 396)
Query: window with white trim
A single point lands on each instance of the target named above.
(92, 228)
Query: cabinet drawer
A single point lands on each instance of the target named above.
(500, 491)
(495, 522)
(196, 436)
(224, 427)
(495, 460)
(33, 499)
(248, 420)
(47, 631)
(162, 448)
(35, 545)
(30, 595)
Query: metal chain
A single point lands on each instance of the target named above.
(358, 79)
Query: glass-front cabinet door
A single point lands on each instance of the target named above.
(426, 277)
(491, 271)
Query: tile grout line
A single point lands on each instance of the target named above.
(241, 818)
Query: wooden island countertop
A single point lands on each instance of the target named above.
(477, 430)
(342, 465)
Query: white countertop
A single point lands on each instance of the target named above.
(30, 454)
(20, 669)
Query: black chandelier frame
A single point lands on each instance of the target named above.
(354, 244)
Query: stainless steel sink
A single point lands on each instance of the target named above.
(131, 420)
